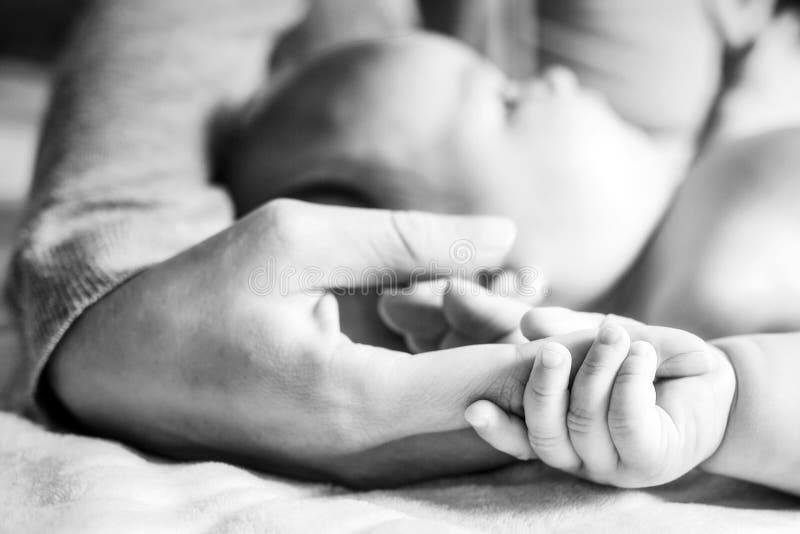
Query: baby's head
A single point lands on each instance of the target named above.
(422, 122)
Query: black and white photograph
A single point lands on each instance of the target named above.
(389, 266)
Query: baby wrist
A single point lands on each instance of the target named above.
(728, 454)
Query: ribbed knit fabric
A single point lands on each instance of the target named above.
(122, 180)
(74, 252)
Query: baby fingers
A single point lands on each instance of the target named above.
(482, 316)
(546, 399)
(633, 417)
(587, 419)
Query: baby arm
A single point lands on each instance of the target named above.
(762, 441)
(759, 440)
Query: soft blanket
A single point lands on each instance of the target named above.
(66, 483)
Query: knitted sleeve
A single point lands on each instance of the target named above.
(122, 179)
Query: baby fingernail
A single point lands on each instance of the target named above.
(476, 421)
(552, 355)
(609, 334)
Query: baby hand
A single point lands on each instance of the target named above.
(616, 424)
(445, 314)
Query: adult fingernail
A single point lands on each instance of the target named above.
(552, 355)
(609, 334)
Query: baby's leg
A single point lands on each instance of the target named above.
(727, 257)
(658, 61)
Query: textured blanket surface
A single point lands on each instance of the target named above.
(65, 483)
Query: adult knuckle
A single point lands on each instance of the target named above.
(279, 208)
(286, 221)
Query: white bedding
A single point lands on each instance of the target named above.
(66, 483)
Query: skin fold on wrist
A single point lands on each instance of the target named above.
(721, 349)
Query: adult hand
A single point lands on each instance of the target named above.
(209, 355)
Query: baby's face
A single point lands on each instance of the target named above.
(424, 123)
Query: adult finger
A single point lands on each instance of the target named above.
(429, 392)
(346, 246)
(552, 321)
(546, 400)
(633, 419)
(680, 353)
(589, 400)
(505, 432)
